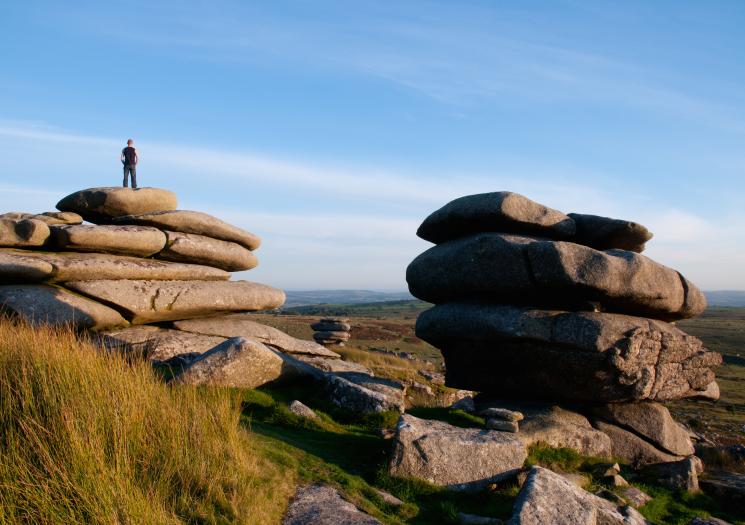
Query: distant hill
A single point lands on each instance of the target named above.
(726, 298)
(313, 297)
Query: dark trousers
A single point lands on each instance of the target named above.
(132, 172)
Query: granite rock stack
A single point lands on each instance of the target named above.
(332, 331)
(535, 305)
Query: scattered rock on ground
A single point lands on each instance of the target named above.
(727, 488)
(633, 449)
(677, 475)
(323, 505)
(502, 425)
(299, 409)
(635, 497)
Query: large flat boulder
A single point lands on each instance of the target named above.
(72, 266)
(198, 249)
(158, 344)
(140, 241)
(604, 233)
(322, 505)
(152, 301)
(633, 449)
(244, 325)
(49, 217)
(548, 498)
(361, 393)
(43, 304)
(511, 269)
(196, 222)
(650, 420)
(237, 362)
(516, 352)
(500, 211)
(23, 233)
(103, 204)
(457, 458)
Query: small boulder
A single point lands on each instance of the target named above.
(547, 498)
(677, 475)
(728, 488)
(633, 449)
(635, 497)
(302, 410)
(502, 425)
(24, 233)
(501, 413)
(457, 458)
(322, 505)
(237, 362)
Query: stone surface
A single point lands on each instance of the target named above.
(333, 364)
(727, 488)
(194, 222)
(708, 521)
(329, 326)
(473, 519)
(457, 458)
(501, 413)
(499, 268)
(677, 475)
(44, 304)
(302, 410)
(466, 404)
(140, 241)
(198, 249)
(102, 204)
(604, 233)
(158, 344)
(50, 217)
(501, 211)
(651, 421)
(519, 352)
(72, 266)
(237, 362)
(23, 233)
(388, 498)
(632, 448)
(547, 498)
(502, 425)
(151, 301)
(243, 325)
(363, 394)
(323, 505)
(635, 497)
(332, 336)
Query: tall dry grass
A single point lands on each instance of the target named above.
(86, 437)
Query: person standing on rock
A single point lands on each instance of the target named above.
(129, 158)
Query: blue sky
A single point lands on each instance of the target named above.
(332, 129)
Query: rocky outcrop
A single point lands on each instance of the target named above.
(458, 458)
(103, 204)
(547, 497)
(323, 505)
(562, 310)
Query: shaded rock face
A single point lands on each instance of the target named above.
(44, 304)
(547, 497)
(583, 355)
(501, 211)
(362, 393)
(103, 204)
(237, 362)
(678, 475)
(501, 268)
(727, 488)
(632, 448)
(158, 344)
(323, 505)
(195, 222)
(651, 421)
(123, 240)
(457, 458)
(152, 301)
(603, 233)
(23, 233)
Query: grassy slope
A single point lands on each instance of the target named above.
(88, 438)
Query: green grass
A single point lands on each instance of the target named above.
(86, 437)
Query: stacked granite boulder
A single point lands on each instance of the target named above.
(543, 312)
(118, 261)
(332, 331)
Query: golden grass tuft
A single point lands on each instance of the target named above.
(86, 437)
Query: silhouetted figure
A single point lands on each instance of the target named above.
(129, 159)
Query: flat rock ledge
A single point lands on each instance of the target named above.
(103, 204)
(456, 458)
(322, 505)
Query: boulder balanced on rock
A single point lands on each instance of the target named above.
(332, 331)
(532, 304)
